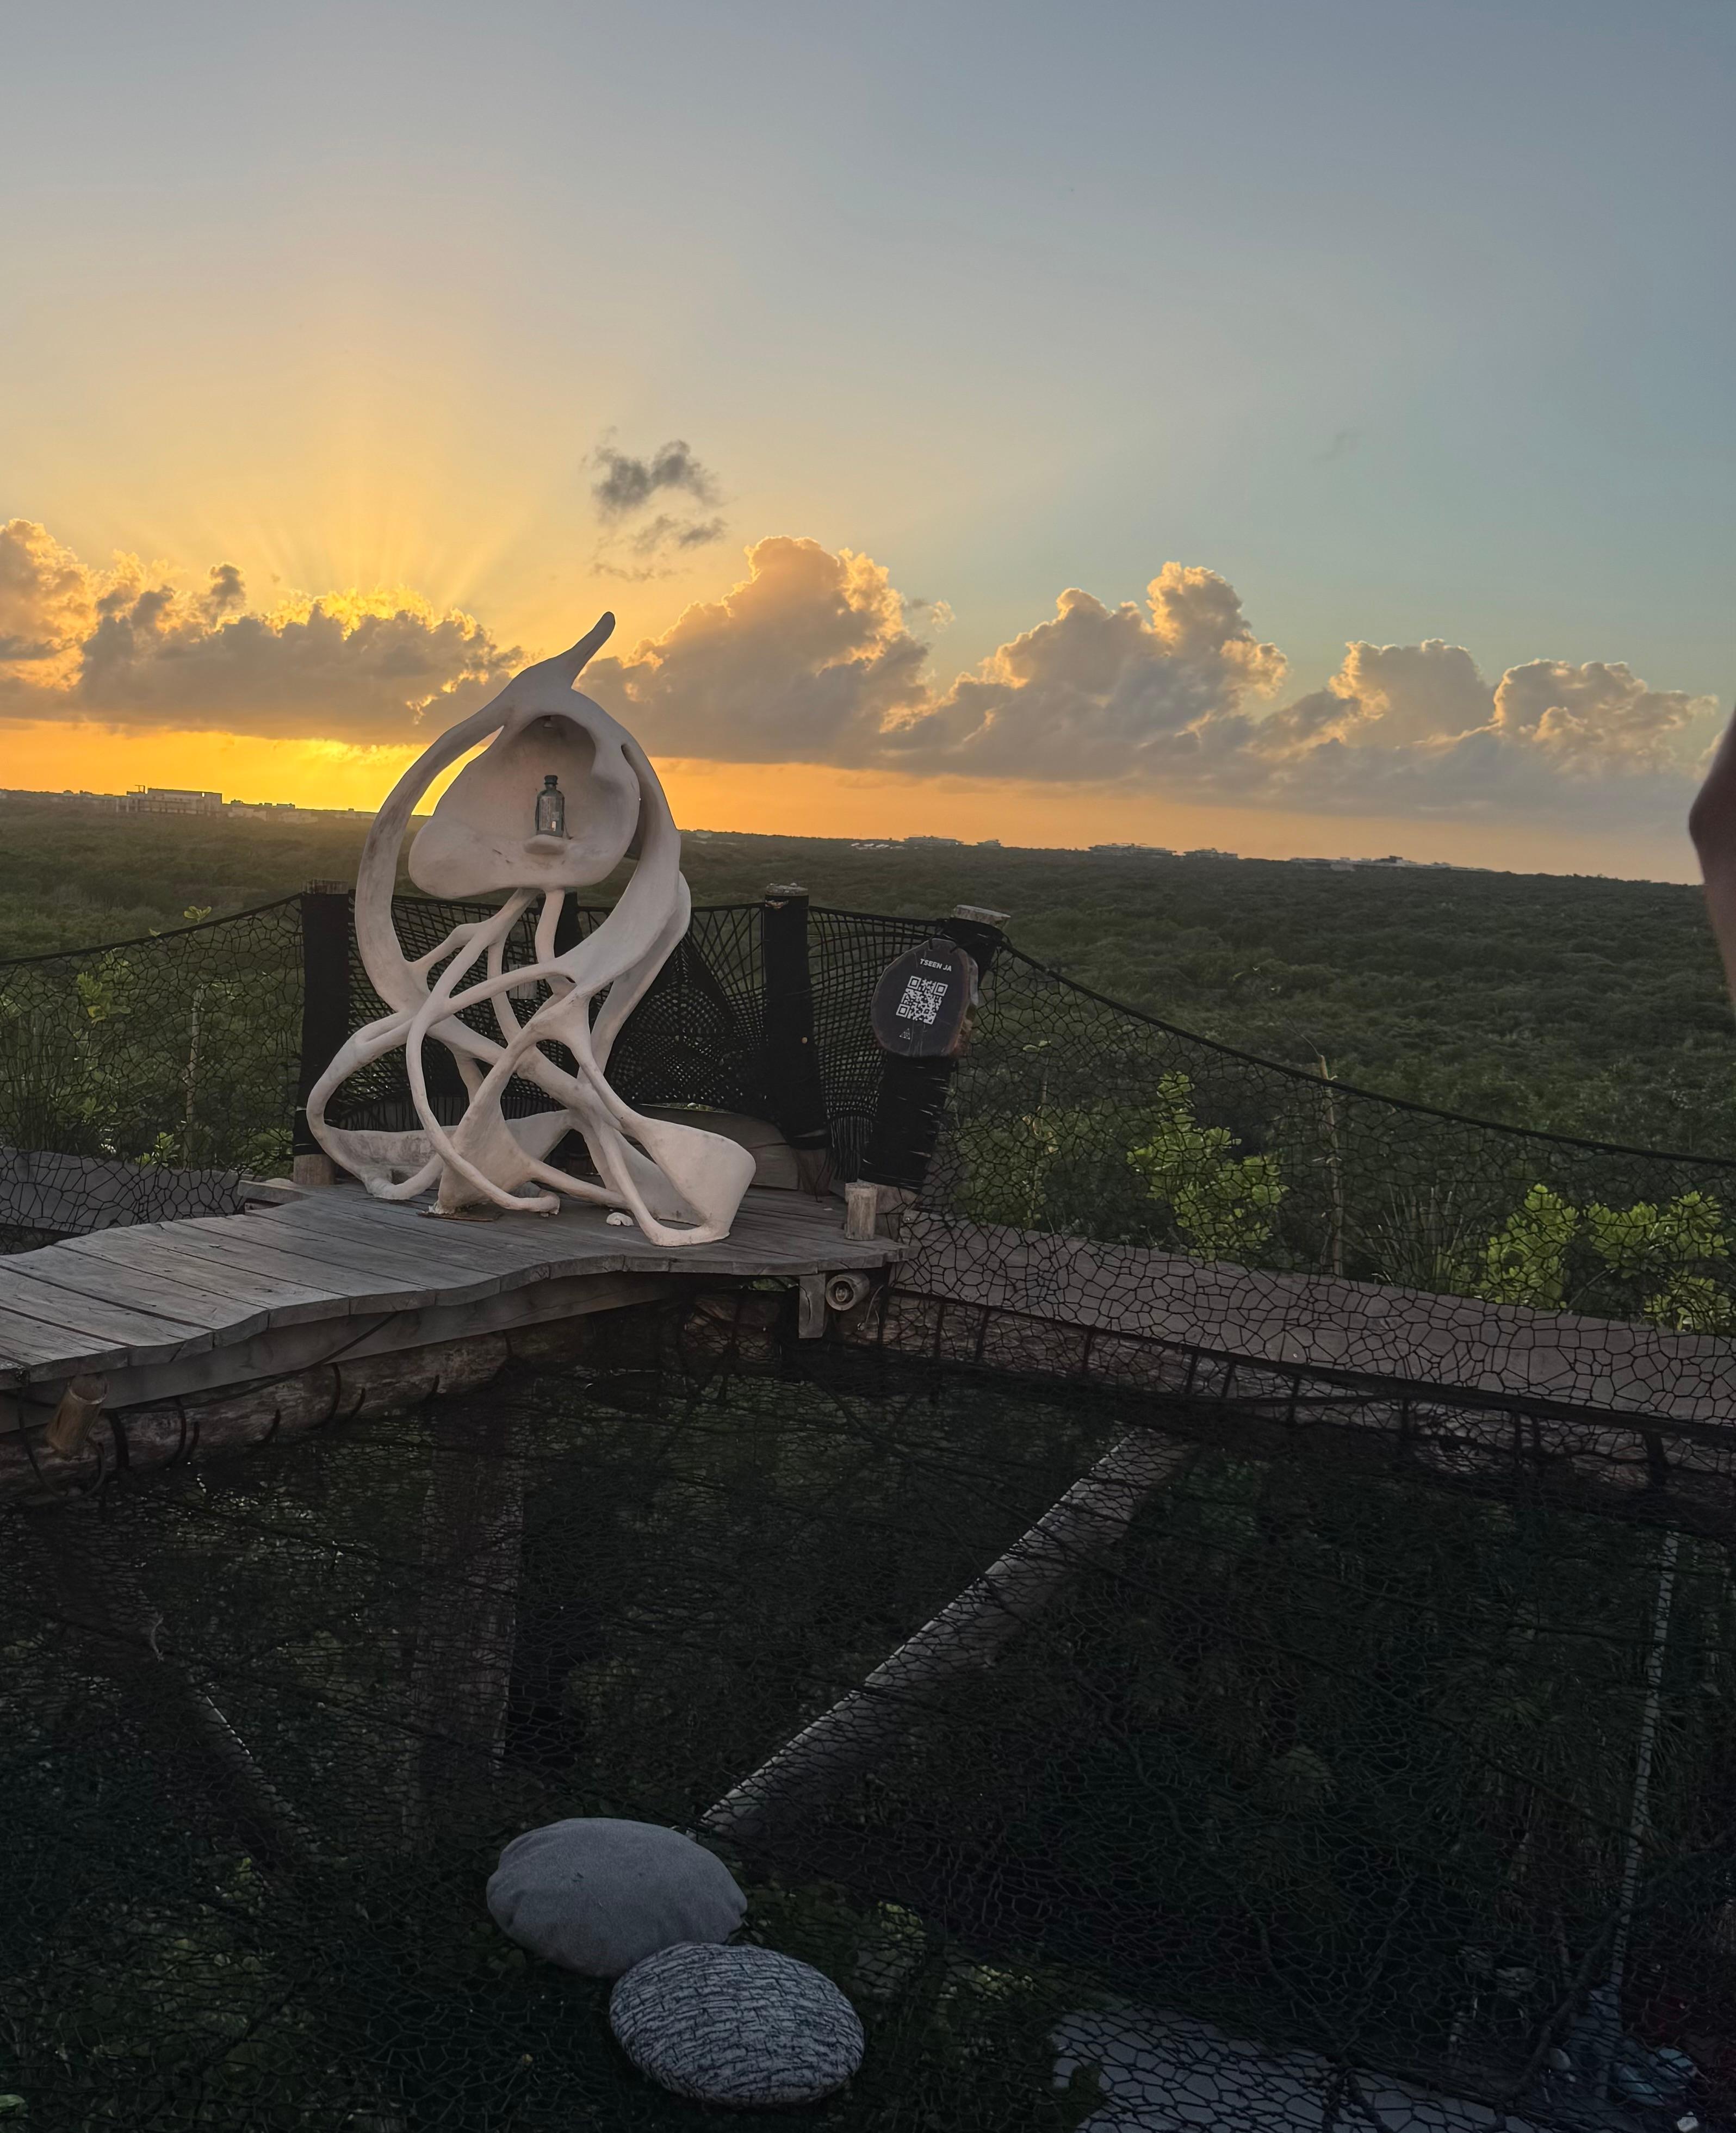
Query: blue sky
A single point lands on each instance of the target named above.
(1410, 320)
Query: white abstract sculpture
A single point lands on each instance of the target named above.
(485, 838)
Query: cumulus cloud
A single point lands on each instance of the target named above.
(1386, 695)
(1598, 717)
(815, 656)
(806, 660)
(811, 658)
(128, 647)
(1102, 692)
(47, 600)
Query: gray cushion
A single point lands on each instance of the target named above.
(598, 1895)
(737, 2025)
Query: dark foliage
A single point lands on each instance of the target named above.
(1588, 1006)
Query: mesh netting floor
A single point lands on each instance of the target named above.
(1337, 1763)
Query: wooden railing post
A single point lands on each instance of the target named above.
(325, 928)
(795, 1089)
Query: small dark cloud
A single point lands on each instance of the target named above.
(653, 543)
(628, 484)
(630, 575)
(227, 595)
(646, 540)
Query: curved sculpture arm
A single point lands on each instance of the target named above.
(681, 1184)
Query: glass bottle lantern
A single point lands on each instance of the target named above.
(551, 808)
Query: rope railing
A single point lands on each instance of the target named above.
(145, 1077)
(1244, 1634)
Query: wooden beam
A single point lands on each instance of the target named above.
(967, 1633)
(278, 1408)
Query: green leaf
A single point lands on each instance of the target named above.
(1225, 1206)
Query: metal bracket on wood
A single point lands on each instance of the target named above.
(810, 1306)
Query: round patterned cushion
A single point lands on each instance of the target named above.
(737, 2025)
(598, 1895)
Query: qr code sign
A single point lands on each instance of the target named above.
(922, 1001)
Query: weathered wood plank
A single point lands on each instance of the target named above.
(776, 1233)
(127, 1298)
(150, 1332)
(425, 1274)
(349, 1288)
(44, 1347)
(338, 1245)
(463, 1246)
(579, 1235)
(286, 1301)
(35, 1350)
(140, 1289)
(195, 1425)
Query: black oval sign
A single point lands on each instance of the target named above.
(923, 1001)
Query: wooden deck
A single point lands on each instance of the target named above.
(163, 1309)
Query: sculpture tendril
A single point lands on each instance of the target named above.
(681, 1185)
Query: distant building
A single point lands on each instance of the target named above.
(1153, 851)
(934, 841)
(1392, 859)
(1210, 852)
(170, 800)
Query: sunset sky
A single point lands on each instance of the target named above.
(1297, 426)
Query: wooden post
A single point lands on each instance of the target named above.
(325, 931)
(467, 1609)
(98, 1597)
(912, 1099)
(795, 1090)
(1334, 1175)
(967, 1633)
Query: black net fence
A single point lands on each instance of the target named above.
(722, 1027)
(1138, 1780)
(146, 1079)
(700, 1037)
(1071, 1116)
(1239, 1634)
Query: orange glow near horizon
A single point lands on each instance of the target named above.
(795, 799)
